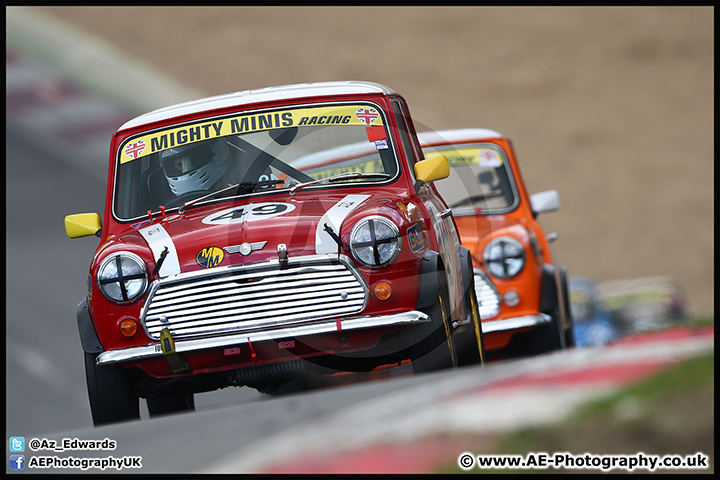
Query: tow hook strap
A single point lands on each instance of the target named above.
(175, 361)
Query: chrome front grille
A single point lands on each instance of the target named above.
(487, 295)
(253, 297)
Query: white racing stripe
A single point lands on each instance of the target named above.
(157, 238)
(334, 218)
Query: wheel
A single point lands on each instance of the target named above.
(470, 343)
(435, 351)
(168, 404)
(546, 338)
(111, 393)
(550, 337)
(570, 330)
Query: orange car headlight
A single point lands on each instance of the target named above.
(504, 257)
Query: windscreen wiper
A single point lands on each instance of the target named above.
(242, 188)
(337, 178)
(475, 198)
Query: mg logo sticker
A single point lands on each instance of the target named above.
(210, 257)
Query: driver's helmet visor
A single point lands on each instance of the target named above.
(185, 160)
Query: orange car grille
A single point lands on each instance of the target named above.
(487, 295)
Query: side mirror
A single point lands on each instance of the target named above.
(431, 169)
(543, 202)
(83, 225)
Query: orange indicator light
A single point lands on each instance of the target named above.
(128, 327)
(382, 290)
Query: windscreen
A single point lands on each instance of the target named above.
(480, 179)
(259, 152)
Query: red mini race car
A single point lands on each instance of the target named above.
(258, 237)
(523, 297)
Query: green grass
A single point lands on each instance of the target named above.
(702, 321)
(671, 412)
(678, 379)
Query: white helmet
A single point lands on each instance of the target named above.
(196, 166)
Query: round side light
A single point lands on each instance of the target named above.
(128, 327)
(511, 298)
(382, 290)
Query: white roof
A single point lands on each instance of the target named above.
(255, 96)
(463, 135)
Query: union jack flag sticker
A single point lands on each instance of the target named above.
(367, 115)
(134, 150)
(489, 158)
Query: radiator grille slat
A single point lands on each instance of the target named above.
(166, 303)
(487, 296)
(227, 299)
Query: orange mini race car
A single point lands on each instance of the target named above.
(522, 294)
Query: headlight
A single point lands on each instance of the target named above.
(504, 257)
(122, 277)
(375, 241)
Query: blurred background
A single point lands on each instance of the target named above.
(611, 106)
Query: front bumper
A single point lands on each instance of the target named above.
(489, 301)
(151, 350)
(516, 323)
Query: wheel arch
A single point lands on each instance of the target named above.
(548, 289)
(432, 263)
(466, 267)
(88, 336)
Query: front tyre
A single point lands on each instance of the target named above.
(546, 338)
(435, 351)
(569, 322)
(550, 337)
(470, 343)
(111, 392)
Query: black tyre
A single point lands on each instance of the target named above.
(435, 351)
(168, 404)
(111, 392)
(570, 330)
(552, 336)
(546, 338)
(470, 342)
